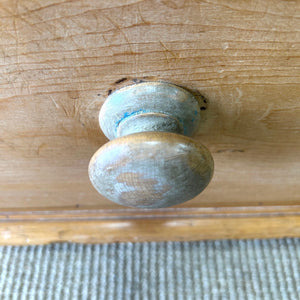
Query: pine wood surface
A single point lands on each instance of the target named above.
(60, 59)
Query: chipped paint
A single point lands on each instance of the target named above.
(150, 97)
(150, 162)
(151, 170)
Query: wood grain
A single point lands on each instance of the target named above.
(60, 59)
(104, 226)
(151, 169)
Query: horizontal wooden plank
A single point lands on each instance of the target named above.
(60, 59)
(92, 226)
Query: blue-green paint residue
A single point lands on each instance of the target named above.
(194, 118)
(144, 111)
(130, 114)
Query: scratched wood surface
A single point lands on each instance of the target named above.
(60, 59)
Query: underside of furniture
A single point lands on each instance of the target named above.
(60, 59)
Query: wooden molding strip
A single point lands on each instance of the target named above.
(126, 225)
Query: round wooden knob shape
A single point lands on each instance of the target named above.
(150, 161)
(151, 170)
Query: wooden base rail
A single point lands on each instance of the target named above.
(105, 226)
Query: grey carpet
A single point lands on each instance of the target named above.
(237, 269)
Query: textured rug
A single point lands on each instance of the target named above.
(230, 269)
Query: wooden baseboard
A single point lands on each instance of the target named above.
(127, 225)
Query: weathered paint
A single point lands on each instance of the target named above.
(150, 97)
(128, 115)
(150, 162)
(145, 122)
(151, 170)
